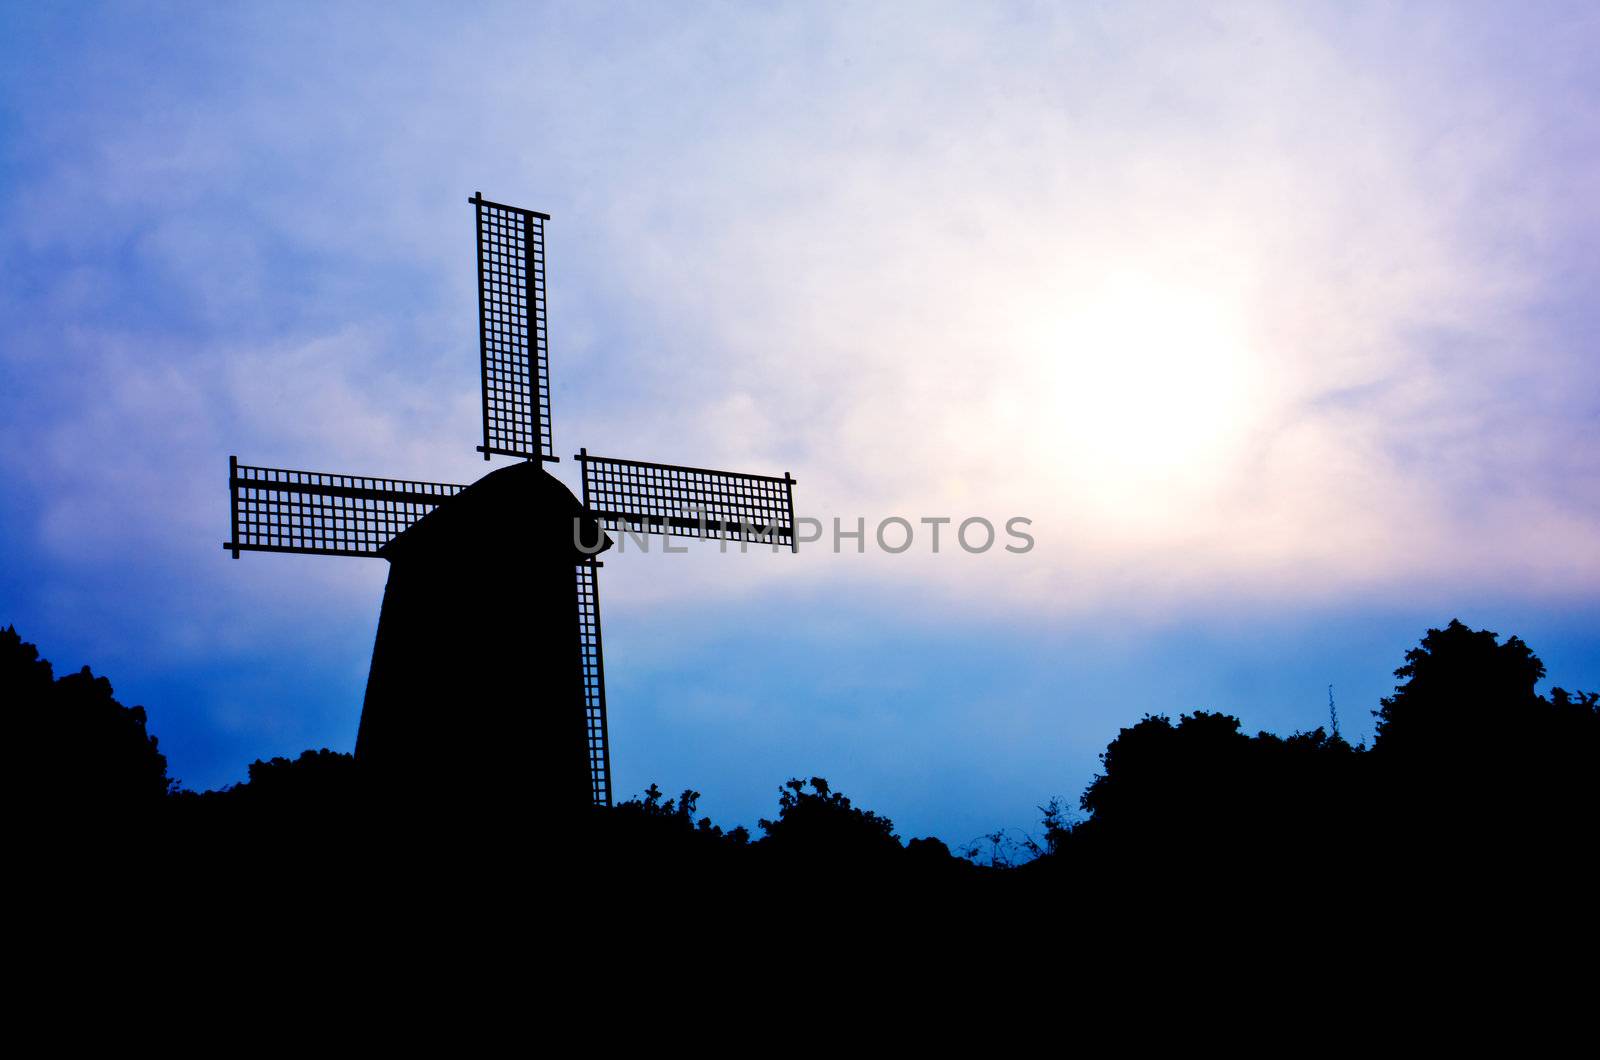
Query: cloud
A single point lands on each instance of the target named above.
(1226, 299)
(1241, 306)
(1225, 304)
(1168, 280)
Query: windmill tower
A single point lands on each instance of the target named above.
(487, 670)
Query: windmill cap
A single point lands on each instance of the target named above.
(517, 510)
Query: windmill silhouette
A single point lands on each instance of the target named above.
(487, 670)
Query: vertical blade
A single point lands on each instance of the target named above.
(594, 682)
(513, 331)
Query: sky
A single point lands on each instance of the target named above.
(1276, 321)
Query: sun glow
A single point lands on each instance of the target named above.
(1143, 383)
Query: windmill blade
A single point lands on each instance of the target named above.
(688, 501)
(513, 331)
(277, 510)
(594, 681)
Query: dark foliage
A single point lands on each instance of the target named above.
(1469, 756)
(1465, 694)
(821, 824)
(1200, 788)
(1471, 768)
(75, 749)
(652, 828)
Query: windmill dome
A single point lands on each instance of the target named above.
(520, 506)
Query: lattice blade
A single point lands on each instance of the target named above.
(688, 501)
(513, 331)
(594, 681)
(277, 510)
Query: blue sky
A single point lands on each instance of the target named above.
(1277, 321)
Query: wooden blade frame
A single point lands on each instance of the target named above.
(688, 501)
(322, 514)
(594, 681)
(513, 331)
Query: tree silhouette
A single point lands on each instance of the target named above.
(822, 824)
(1199, 796)
(76, 750)
(1473, 765)
(1161, 778)
(659, 817)
(1472, 771)
(1463, 691)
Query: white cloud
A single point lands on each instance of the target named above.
(1237, 301)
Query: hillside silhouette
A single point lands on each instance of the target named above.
(1471, 774)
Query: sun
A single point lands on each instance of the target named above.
(1144, 383)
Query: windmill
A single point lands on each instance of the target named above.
(488, 656)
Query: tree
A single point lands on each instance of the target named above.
(1465, 693)
(822, 824)
(78, 750)
(1175, 796)
(1475, 764)
(1163, 776)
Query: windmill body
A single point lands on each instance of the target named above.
(487, 676)
(476, 679)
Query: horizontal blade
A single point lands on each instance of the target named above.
(278, 510)
(688, 501)
(513, 331)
